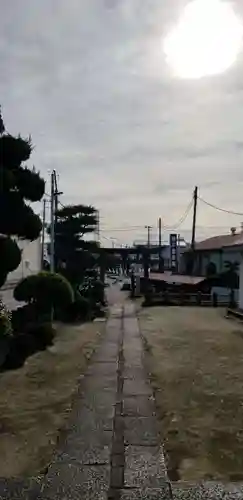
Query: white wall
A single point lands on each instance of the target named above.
(31, 260)
(30, 264)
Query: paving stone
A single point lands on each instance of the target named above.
(144, 467)
(108, 347)
(68, 482)
(88, 420)
(104, 357)
(130, 323)
(162, 493)
(85, 453)
(99, 401)
(141, 431)
(97, 369)
(134, 373)
(133, 344)
(139, 406)
(133, 361)
(114, 324)
(100, 383)
(136, 387)
(133, 354)
(92, 446)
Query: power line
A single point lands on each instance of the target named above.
(182, 219)
(218, 208)
(121, 229)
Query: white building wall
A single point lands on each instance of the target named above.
(30, 264)
(31, 260)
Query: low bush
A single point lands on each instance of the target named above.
(79, 310)
(5, 322)
(22, 317)
(42, 334)
(45, 291)
(93, 290)
(22, 345)
(5, 332)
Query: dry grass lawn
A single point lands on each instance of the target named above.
(195, 357)
(35, 400)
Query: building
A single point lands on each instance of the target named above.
(214, 252)
(240, 301)
(165, 252)
(30, 264)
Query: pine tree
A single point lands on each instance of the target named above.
(18, 187)
(73, 254)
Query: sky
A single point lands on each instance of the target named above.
(90, 82)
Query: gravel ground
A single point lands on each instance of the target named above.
(195, 357)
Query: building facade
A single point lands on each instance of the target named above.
(30, 264)
(165, 253)
(215, 252)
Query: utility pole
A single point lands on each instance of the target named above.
(160, 232)
(56, 193)
(52, 243)
(160, 246)
(148, 240)
(146, 256)
(194, 220)
(195, 196)
(43, 234)
(98, 225)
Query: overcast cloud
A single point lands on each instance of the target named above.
(89, 81)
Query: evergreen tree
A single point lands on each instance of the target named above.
(73, 254)
(18, 187)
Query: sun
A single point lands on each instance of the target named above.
(206, 40)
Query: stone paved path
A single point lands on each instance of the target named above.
(112, 448)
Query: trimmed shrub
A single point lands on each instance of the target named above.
(5, 332)
(46, 290)
(78, 310)
(22, 317)
(10, 254)
(25, 289)
(98, 291)
(43, 335)
(21, 346)
(5, 322)
(93, 290)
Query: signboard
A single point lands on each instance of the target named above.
(173, 253)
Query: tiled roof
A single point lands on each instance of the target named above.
(218, 242)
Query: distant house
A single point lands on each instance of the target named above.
(30, 264)
(165, 253)
(214, 252)
(240, 302)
